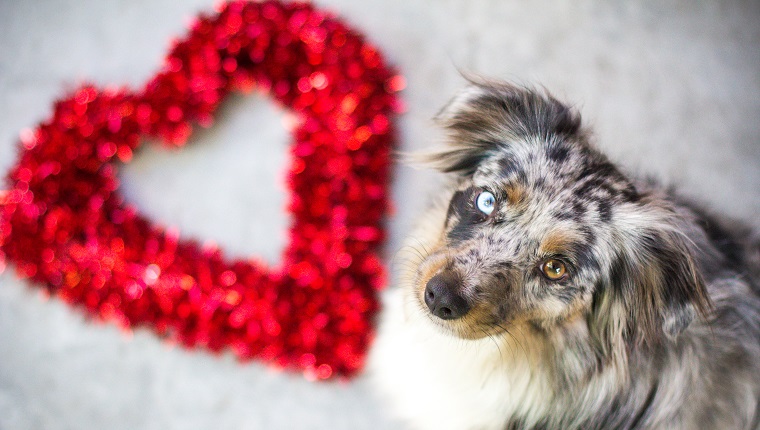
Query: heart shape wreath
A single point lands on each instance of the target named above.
(64, 224)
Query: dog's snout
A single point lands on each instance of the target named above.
(442, 298)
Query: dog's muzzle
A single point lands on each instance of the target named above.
(442, 296)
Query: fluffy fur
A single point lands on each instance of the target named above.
(655, 324)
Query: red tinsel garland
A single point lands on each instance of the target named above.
(63, 223)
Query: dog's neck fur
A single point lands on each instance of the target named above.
(508, 378)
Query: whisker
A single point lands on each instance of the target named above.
(522, 335)
(485, 333)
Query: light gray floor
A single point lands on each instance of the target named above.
(671, 87)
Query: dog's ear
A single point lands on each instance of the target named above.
(488, 116)
(653, 289)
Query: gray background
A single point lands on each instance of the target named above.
(671, 88)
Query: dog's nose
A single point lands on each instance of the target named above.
(442, 299)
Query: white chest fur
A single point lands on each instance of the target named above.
(435, 381)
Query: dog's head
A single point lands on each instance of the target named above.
(543, 230)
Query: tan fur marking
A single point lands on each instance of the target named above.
(516, 195)
(559, 241)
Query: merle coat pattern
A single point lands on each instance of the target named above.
(574, 297)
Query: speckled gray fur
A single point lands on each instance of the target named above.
(656, 321)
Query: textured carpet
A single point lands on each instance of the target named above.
(672, 89)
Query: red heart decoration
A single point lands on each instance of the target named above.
(63, 223)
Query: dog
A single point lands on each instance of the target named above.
(548, 289)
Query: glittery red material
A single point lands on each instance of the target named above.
(64, 224)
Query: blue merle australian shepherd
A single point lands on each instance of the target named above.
(549, 290)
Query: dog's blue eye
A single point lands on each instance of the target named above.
(485, 202)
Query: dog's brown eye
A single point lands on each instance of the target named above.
(553, 269)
